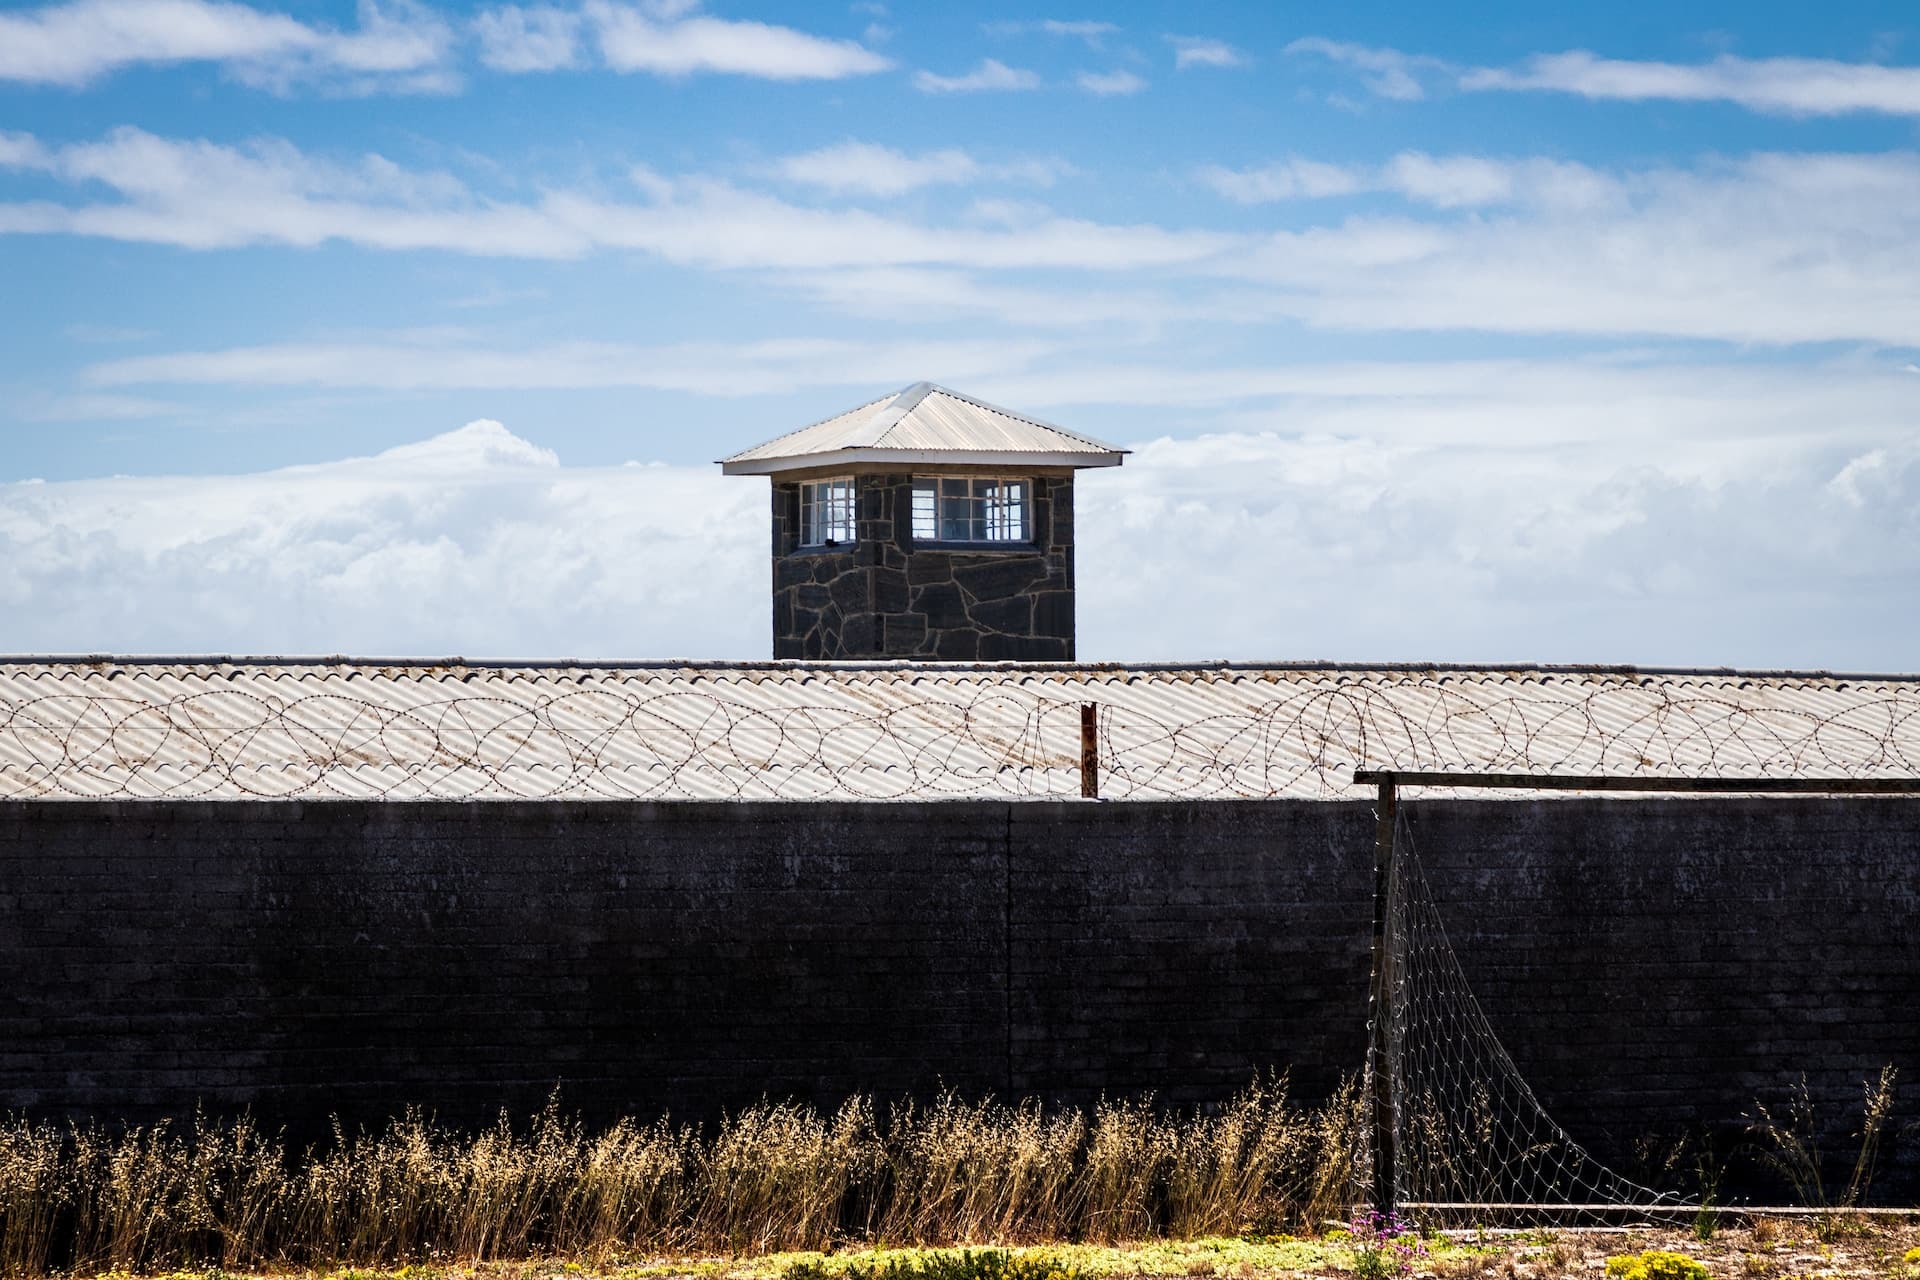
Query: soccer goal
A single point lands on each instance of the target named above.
(1454, 1133)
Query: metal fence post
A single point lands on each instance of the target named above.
(1385, 1127)
(1089, 750)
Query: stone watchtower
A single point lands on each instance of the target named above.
(924, 524)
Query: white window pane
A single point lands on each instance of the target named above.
(925, 524)
(970, 509)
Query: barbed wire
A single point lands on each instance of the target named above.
(905, 734)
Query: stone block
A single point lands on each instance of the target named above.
(925, 567)
(859, 636)
(999, 648)
(1053, 614)
(811, 596)
(942, 605)
(961, 644)
(995, 577)
(791, 571)
(904, 633)
(850, 591)
(890, 591)
(1013, 616)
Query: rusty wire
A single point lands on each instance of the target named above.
(287, 731)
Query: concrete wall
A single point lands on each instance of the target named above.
(1651, 964)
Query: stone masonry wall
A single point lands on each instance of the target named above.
(1652, 964)
(889, 597)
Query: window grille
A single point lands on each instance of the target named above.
(826, 512)
(971, 509)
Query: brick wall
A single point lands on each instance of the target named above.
(1652, 964)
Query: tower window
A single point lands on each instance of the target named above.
(826, 512)
(971, 509)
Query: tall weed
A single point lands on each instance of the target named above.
(776, 1176)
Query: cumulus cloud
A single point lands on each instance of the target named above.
(991, 76)
(475, 542)
(1380, 512)
(1110, 84)
(398, 45)
(1204, 51)
(1292, 547)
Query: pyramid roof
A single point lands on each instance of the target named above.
(925, 423)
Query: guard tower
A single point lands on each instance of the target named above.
(924, 524)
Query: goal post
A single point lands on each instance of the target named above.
(1546, 1171)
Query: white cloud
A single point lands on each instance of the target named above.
(865, 168)
(538, 38)
(201, 195)
(991, 75)
(422, 362)
(1290, 179)
(474, 542)
(1388, 72)
(1775, 86)
(1108, 84)
(1092, 33)
(1769, 248)
(1443, 182)
(1374, 551)
(1204, 51)
(99, 408)
(398, 46)
(1451, 181)
(21, 151)
(1396, 512)
(666, 41)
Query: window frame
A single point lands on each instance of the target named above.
(818, 509)
(937, 483)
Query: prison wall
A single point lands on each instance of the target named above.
(1652, 964)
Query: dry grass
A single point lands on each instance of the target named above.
(775, 1177)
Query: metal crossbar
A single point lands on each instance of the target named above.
(1563, 782)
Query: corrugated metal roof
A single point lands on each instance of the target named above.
(230, 728)
(925, 418)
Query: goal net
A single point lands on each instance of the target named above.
(1463, 1137)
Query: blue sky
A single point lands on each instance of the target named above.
(1512, 333)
